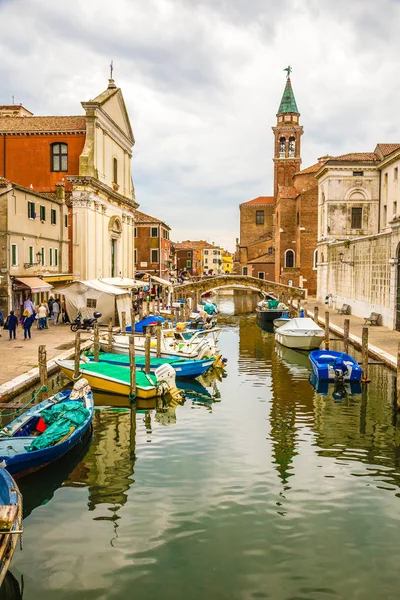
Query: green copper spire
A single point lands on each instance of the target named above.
(288, 102)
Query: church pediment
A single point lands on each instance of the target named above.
(112, 105)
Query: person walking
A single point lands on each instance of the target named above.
(42, 314)
(12, 325)
(56, 311)
(27, 326)
(28, 305)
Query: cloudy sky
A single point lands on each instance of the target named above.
(203, 79)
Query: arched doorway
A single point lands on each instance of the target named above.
(115, 230)
(398, 290)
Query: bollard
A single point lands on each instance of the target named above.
(133, 319)
(132, 367)
(147, 352)
(42, 362)
(158, 334)
(346, 331)
(398, 379)
(364, 355)
(96, 343)
(77, 355)
(110, 336)
(326, 330)
(316, 314)
(123, 321)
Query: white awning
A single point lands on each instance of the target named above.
(35, 284)
(160, 280)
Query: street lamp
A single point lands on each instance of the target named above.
(345, 262)
(33, 264)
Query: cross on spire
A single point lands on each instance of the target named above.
(111, 69)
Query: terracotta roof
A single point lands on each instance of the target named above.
(262, 259)
(260, 200)
(386, 149)
(287, 192)
(314, 168)
(193, 245)
(4, 182)
(357, 157)
(141, 218)
(33, 124)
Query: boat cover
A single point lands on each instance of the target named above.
(151, 320)
(300, 326)
(59, 418)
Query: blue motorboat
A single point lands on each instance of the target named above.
(47, 431)
(329, 365)
(10, 520)
(140, 326)
(182, 367)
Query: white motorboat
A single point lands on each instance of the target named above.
(190, 343)
(300, 334)
(281, 321)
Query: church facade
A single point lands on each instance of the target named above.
(278, 233)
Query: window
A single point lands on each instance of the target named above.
(244, 270)
(261, 275)
(214, 252)
(135, 232)
(206, 261)
(356, 218)
(394, 208)
(135, 256)
(59, 157)
(42, 250)
(292, 147)
(395, 173)
(31, 210)
(386, 179)
(282, 147)
(115, 170)
(189, 254)
(205, 251)
(56, 257)
(53, 216)
(91, 302)
(215, 260)
(66, 221)
(315, 259)
(384, 215)
(289, 259)
(259, 217)
(50, 257)
(14, 255)
(42, 213)
(358, 173)
(188, 263)
(154, 232)
(31, 261)
(154, 256)
(270, 250)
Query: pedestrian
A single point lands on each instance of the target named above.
(28, 305)
(56, 311)
(42, 314)
(27, 326)
(12, 325)
(50, 305)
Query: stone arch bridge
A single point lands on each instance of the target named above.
(207, 284)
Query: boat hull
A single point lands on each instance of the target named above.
(322, 365)
(299, 342)
(10, 496)
(182, 368)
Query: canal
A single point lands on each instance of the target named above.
(257, 487)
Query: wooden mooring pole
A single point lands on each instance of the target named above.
(364, 355)
(96, 343)
(398, 378)
(110, 336)
(77, 355)
(132, 367)
(123, 321)
(158, 334)
(133, 320)
(316, 314)
(147, 352)
(42, 362)
(326, 330)
(298, 306)
(346, 331)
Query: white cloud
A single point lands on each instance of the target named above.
(202, 81)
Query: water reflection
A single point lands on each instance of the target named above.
(11, 588)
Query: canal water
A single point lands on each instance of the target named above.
(257, 487)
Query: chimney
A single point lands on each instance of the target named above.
(60, 190)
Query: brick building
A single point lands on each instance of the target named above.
(153, 249)
(278, 234)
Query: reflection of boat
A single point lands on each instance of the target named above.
(10, 588)
(47, 431)
(265, 317)
(300, 334)
(339, 390)
(331, 365)
(182, 367)
(10, 520)
(296, 360)
(116, 379)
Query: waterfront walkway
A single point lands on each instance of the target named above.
(383, 342)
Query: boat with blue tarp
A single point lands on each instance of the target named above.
(330, 365)
(47, 431)
(10, 520)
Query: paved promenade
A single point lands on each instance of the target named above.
(382, 342)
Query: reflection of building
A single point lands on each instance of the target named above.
(152, 245)
(34, 243)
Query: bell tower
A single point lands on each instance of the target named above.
(287, 158)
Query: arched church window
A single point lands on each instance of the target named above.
(292, 147)
(289, 259)
(282, 147)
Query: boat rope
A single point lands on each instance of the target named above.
(43, 388)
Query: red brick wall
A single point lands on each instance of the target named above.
(249, 230)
